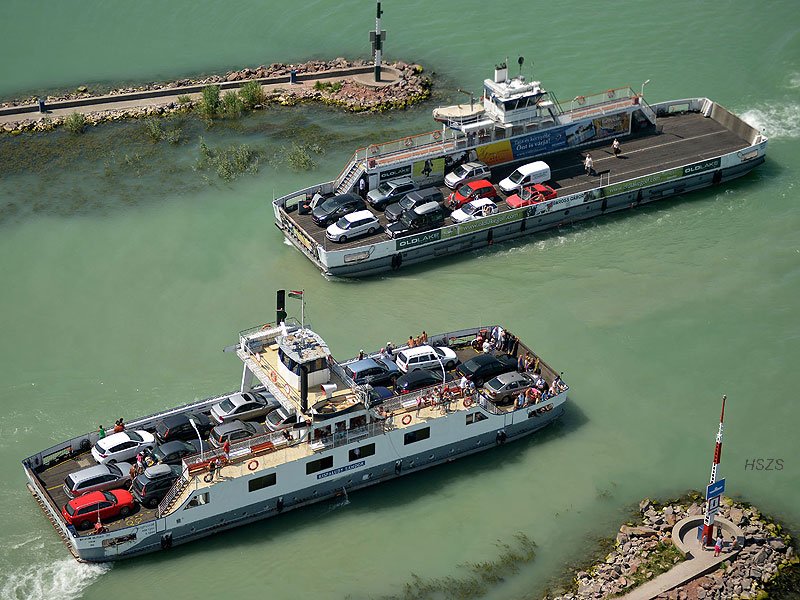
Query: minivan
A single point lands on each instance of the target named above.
(412, 200)
(535, 172)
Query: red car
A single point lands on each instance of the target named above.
(531, 195)
(471, 191)
(83, 511)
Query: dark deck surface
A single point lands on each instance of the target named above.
(681, 139)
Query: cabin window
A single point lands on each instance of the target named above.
(362, 452)
(318, 465)
(197, 500)
(475, 417)
(357, 422)
(417, 436)
(259, 483)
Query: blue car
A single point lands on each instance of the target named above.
(374, 371)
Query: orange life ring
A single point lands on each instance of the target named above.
(208, 477)
(273, 376)
(406, 419)
(581, 100)
(374, 149)
(437, 135)
(610, 93)
(252, 465)
(265, 326)
(467, 402)
(408, 142)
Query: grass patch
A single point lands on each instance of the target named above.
(210, 102)
(328, 86)
(184, 99)
(252, 94)
(154, 127)
(659, 560)
(230, 162)
(298, 157)
(75, 123)
(231, 105)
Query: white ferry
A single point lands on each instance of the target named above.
(668, 148)
(344, 436)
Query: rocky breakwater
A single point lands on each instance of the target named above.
(318, 81)
(644, 550)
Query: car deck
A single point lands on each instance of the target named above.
(678, 140)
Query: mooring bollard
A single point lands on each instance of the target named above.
(292, 76)
(41, 105)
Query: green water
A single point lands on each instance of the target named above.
(123, 279)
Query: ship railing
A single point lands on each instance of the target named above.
(289, 202)
(598, 104)
(342, 438)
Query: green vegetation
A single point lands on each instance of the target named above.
(184, 99)
(231, 106)
(229, 162)
(76, 123)
(327, 86)
(209, 104)
(154, 128)
(252, 94)
(298, 157)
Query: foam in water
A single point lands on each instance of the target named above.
(778, 121)
(63, 579)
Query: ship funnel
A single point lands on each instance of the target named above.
(304, 388)
(328, 389)
(500, 72)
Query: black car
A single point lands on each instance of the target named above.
(421, 218)
(150, 487)
(486, 366)
(335, 208)
(412, 200)
(418, 379)
(179, 427)
(171, 453)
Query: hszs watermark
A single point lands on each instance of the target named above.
(763, 464)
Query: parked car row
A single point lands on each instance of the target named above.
(409, 209)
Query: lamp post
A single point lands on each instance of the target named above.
(199, 439)
(644, 84)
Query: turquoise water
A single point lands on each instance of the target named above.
(126, 270)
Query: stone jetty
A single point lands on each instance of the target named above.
(339, 82)
(647, 562)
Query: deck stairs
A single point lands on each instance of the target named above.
(350, 177)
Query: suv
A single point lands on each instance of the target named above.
(374, 371)
(412, 200)
(150, 487)
(234, 431)
(361, 222)
(390, 191)
(421, 218)
(469, 192)
(426, 357)
(485, 366)
(335, 208)
(179, 427)
(172, 453)
(467, 172)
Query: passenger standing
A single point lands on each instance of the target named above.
(424, 337)
(718, 546)
(362, 188)
(226, 449)
(588, 164)
(361, 354)
(140, 462)
(463, 384)
(101, 433)
(615, 147)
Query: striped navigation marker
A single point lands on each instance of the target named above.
(715, 488)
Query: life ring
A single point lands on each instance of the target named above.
(265, 326)
(273, 376)
(610, 93)
(252, 465)
(208, 477)
(467, 402)
(287, 390)
(408, 142)
(581, 100)
(406, 419)
(437, 135)
(374, 149)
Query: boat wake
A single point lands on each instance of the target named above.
(63, 579)
(777, 121)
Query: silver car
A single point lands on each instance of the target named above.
(471, 171)
(244, 407)
(98, 477)
(504, 388)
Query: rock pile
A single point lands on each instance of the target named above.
(410, 87)
(765, 553)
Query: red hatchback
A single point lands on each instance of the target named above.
(84, 510)
(471, 191)
(531, 195)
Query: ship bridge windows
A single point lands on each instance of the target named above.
(312, 366)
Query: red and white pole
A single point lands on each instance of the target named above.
(708, 522)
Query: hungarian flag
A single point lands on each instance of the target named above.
(295, 294)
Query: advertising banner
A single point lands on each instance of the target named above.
(431, 168)
(495, 154)
(706, 165)
(482, 223)
(405, 243)
(640, 182)
(536, 143)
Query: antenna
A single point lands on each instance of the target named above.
(521, 61)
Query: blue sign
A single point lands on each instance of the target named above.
(715, 489)
(538, 143)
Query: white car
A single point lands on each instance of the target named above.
(122, 446)
(426, 357)
(482, 207)
(467, 172)
(361, 222)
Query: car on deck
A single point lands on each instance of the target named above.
(469, 192)
(234, 431)
(469, 171)
(504, 388)
(97, 478)
(486, 366)
(82, 512)
(280, 419)
(172, 453)
(390, 192)
(356, 224)
(418, 379)
(374, 371)
(122, 446)
(531, 195)
(334, 208)
(426, 357)
(247, 406)
(179, 427)
(150, 487)
(482, 207)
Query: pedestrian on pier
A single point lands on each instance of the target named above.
(718, 546)
(588, 164)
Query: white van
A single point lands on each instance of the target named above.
(535, 172)
(425, 357)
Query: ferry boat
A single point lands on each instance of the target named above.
(345, 437)
(669, 148)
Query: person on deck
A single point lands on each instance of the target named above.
(101, 432)
(588, 164)
(615, 147)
